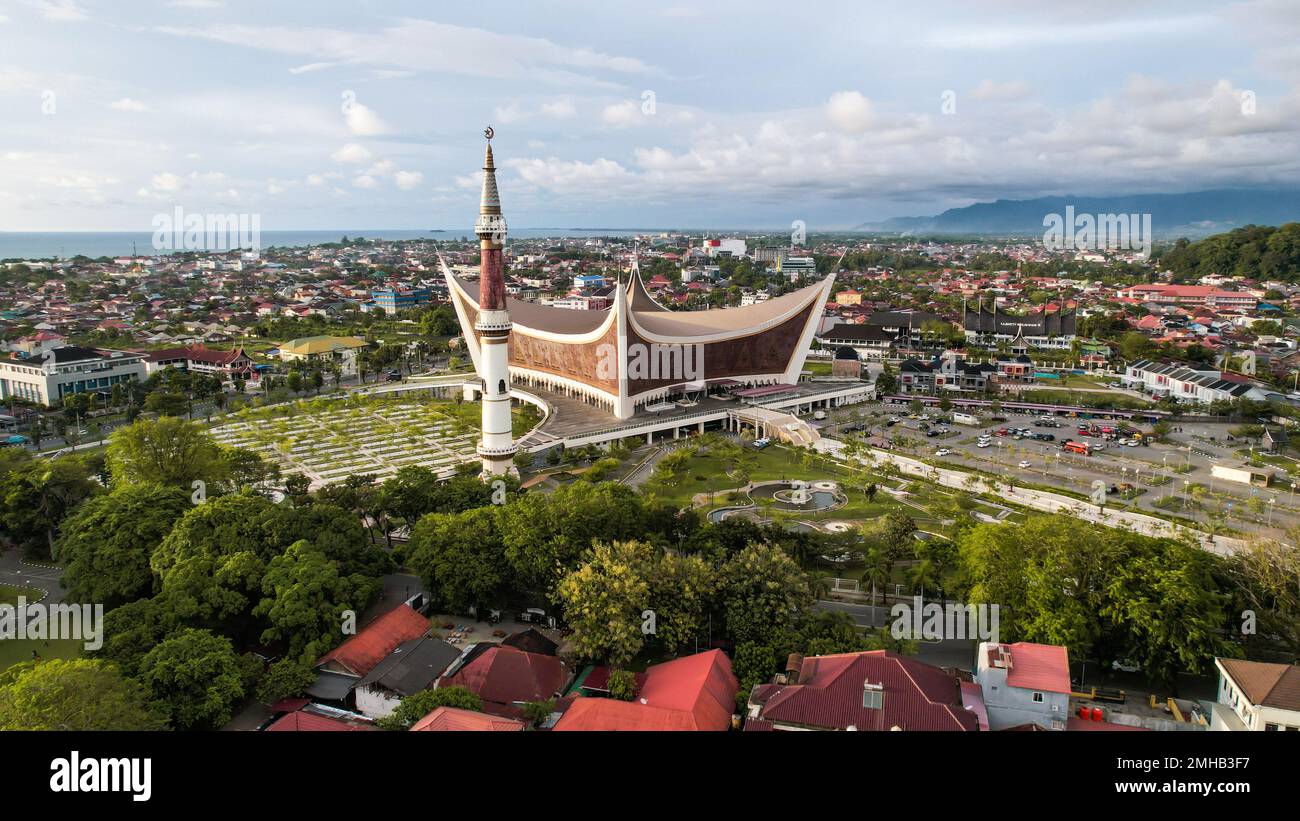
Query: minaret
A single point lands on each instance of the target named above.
(496, 448)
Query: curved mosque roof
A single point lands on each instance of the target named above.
(650, 316)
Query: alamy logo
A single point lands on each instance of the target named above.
(1097, 232)
(943, 622)
(42, 622)
(128, 775)
(676, 361)
(179, 231)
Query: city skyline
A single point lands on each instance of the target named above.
(614, 119)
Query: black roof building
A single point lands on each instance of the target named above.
(1060, 322)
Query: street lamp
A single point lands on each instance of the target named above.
(1271, 502)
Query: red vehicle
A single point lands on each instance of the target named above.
(1075, 447)
(1001, 432)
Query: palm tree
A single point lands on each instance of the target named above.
(877, 571)
(925, 573)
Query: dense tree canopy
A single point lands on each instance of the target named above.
(77, 695)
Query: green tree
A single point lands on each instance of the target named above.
(415, 707)
(106, 543)
(73, 695)
(763, 591)
(622, 685)
(461, 557)
(305, 599)
(195, 677)
(167, 451)
(287, 678)
(603, 600)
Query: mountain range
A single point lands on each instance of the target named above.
(1193, 214)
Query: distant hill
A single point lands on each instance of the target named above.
(1194, 214)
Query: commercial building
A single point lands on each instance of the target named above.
(199, 359)
(945, 373)
(394, 300)
(48, 378)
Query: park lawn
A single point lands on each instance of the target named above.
(1092, 399)
(13, 651)
(9, 594)
(705, 474)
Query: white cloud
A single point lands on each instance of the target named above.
(365, 181)
(560, 109)
(352, 153)
(307, 68)
(362, 121)
(406, 180)
(60, 11)
(127, 104)
(622, 115)
(166, 181)
(849, 111)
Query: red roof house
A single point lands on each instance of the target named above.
(453, 719)
(304, 721)
(373, 643)
(690, 693)
(504, 676)
(875, 690)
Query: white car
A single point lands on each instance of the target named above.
(982, 444)
(1132, 443)
(942, 452)
(1126, 666)
(1024, 463)
(1097, 446)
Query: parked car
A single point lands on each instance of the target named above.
(1024, 463)
(942, 452)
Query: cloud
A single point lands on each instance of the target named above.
(406, 180)
(363, 121)
(365, 181)
(127, 104)
(352, 153)
(849, 111)
(307, 68)
(990, 90)
(423, 45)
(622, 115)
(60, 11)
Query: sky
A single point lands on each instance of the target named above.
(357, 114)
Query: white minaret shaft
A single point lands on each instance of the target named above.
(497, 447)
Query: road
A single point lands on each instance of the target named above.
(945, 653)
(14, 572)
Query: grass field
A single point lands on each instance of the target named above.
(13, 651)
(9, 593)
(707, 474)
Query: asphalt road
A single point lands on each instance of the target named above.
(946, 653)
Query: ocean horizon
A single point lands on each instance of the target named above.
(36, 245)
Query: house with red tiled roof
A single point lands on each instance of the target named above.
(312, 719)
(373, 643)
(691, 693)
(454, 719)
(877, 690)
(506, 677)
(1024, 683)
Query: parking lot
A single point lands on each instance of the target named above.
(1170, 478)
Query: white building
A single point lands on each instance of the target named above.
(1254, 696)
(62, 372)
(1200, 385)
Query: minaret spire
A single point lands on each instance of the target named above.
(497, 447)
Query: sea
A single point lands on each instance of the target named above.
(95, 244)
